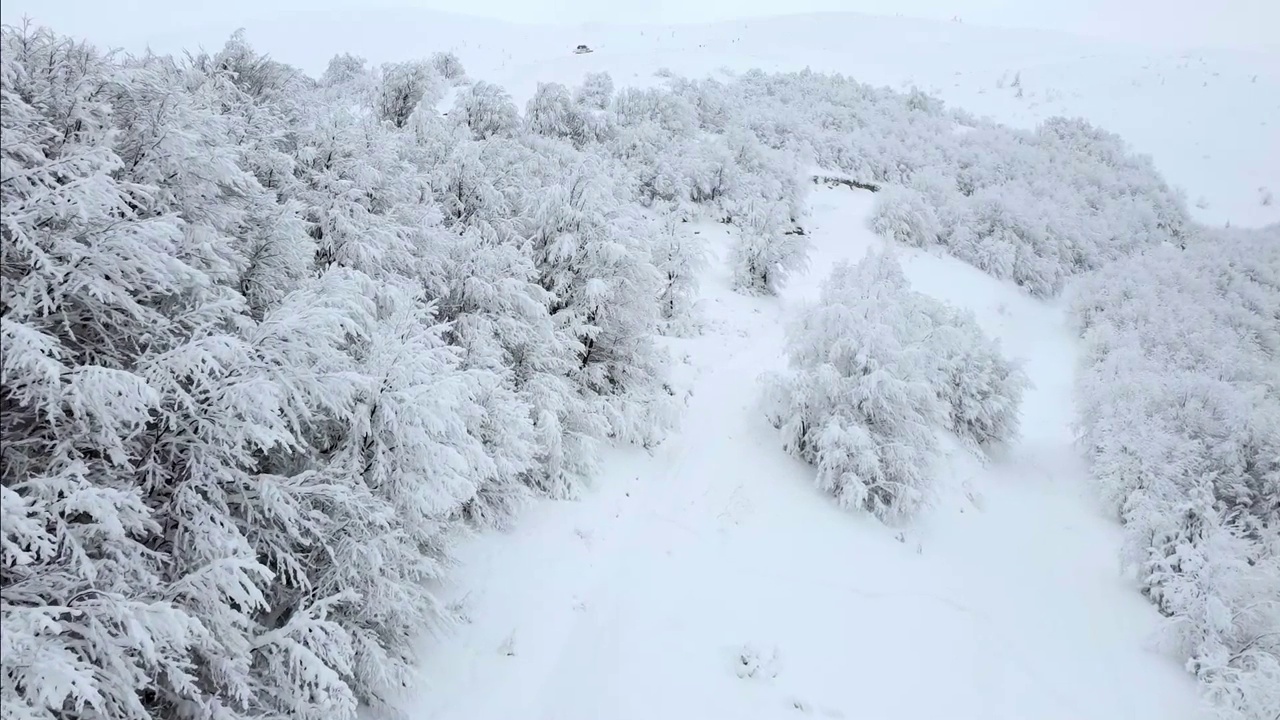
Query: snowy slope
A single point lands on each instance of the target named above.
(641, 599)
(708, 578)
(1004, 601)
(1209, 118)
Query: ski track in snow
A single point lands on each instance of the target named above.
(1002, 601)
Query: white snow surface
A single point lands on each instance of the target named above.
(642, 598)
(1210, 119)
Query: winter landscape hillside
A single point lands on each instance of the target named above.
(400, 364)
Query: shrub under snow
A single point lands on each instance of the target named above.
(877, 371)
(905, 216)
(767, 252)
(681, 259)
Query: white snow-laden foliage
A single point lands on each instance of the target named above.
(1033, 206)
(448, 66)
(272, 343)
(596, 91)
(403, 86)
(680, 260)
(487, 110)
(767, 252)
(1180, 414)
(877, 370)
(905, 216)
(553, 112)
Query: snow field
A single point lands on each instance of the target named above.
(711, 579)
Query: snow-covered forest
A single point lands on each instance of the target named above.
(1181, 418)
(274, 345)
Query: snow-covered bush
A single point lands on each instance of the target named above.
(448, 66)
(596, 91)
(552, 112)
(766, 252)
(981, 390)
(876, 371)
(593, 253)
(403, 86)
(343, 69)
(487, 110)
(676, 117)
(760, 176)
(905, 216)
(681, 259)
(661, 174)
(1180, 416)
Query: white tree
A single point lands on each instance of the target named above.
(403, 87)
(981, 390)
(904, 216)
(552, 112)
(766, 252)
(148, 405)
(592, 253)
(448, 66)
(494, 295)
(596, 91)
(877, 371)
(858, 404)
(410, 444)
(680, 258)
(487, 110)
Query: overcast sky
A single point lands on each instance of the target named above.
(1242, 24)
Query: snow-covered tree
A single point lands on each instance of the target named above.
(593, 254)
(904, 216)
(858, 404)
(980, 388)
(767, 251)
(403, 86)
(876, 371)
(552, 112)
(487, 110)
(596, 91)
(675, 115)
(1036, 207)
(143, 405)
(448, 66)
(88, 621)
(410, 444)
(680, 259)
(499, 316)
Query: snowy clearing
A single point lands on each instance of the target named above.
(641, 599)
